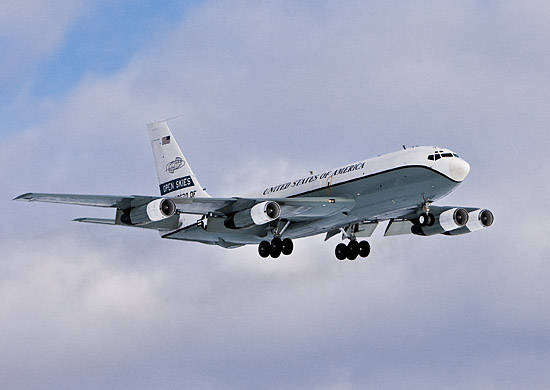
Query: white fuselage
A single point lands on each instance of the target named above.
(454, 168)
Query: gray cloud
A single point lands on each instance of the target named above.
(321, 85)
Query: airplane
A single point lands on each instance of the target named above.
(350, 200)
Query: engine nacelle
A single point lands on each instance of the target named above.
(259, 214)
(453, 219)
(446, 221)
(478, 219)
(154, 211)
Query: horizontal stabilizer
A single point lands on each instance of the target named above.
(101, 221)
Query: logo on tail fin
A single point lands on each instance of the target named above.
(176, 184)
(174, 165)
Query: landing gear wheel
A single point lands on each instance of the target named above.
(426, 219)
(275, 252)
(287, 246)
(364, 248)
(264, 249)
(341, 251)
(276, 247)
(423, 219)
(431, 219)
(353, 250)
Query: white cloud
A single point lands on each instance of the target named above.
(270, 90)
(31, 29)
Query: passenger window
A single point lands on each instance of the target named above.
(431, 157)
(437, 157)
(447, 155)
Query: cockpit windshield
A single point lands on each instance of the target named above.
(440, 154)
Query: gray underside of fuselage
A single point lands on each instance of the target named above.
(397, 193)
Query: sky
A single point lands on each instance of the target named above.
(264, 91)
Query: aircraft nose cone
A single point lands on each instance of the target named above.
(459, 169)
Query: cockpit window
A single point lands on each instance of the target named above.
(440, 154)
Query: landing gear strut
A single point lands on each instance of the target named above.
(353, 249)
(276, 247)
(426, 218)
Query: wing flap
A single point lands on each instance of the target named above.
(311, 208)
(365, 229)
(212, 205)
(398, 227)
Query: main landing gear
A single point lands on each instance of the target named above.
(276, 247)
(352, 250)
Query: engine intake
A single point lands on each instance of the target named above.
(259, 214)
(154, 211)
(480, 219)
(453, 219)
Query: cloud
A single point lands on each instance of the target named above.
(268, 91)
(30, 29)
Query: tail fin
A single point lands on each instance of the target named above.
(176, 179)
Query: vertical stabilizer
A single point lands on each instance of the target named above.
(176, 179)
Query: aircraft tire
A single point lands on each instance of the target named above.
(275, 252)
(276, 244)
(341, 251)
(423, 219)
(287, 247)
(431, 219)
(353, 250)
(264, 249)
(364, 248)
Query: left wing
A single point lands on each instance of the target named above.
(294, 209)
(120, 202)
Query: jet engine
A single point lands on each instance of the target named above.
(154, 211)
(259, 214)
(478, 219)
(446, 221)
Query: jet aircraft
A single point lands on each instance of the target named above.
(349, 201)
